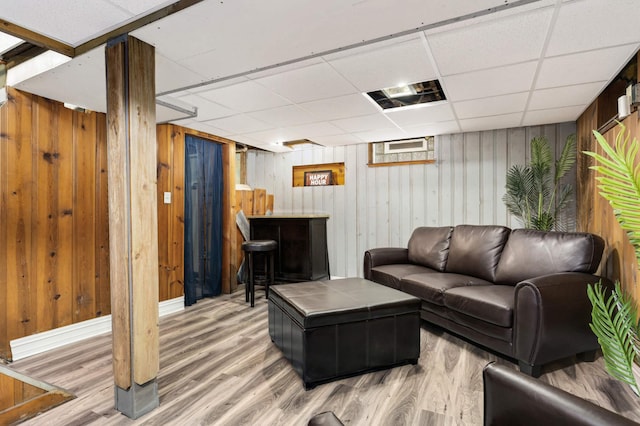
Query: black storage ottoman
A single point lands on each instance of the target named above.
(339, 328)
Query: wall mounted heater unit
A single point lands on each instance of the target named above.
(406, 145)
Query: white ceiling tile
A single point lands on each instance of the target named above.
(165, 114)
(421, 115)
(337, 140)
(137, 7)
(270, 136)
(310, 83)
(244, 97)
(381, 135)
(215, 84)
(496, 105)
(170, 75)
(340, 107)
(432, 129)
(238, 124)
(288, 115)
(579, 94)
(207, 110)
(364, 122)
(76, 22)
(490, 82)
(303, 63)
(80, 81)
(206, 128)
(585, 67)
(497, 42)
(488, 123)
(593, 24)
(312, 130)
(8, 42)
(554, 115)
(399, 63)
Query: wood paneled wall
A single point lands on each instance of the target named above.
(171, 216)
(381, 206)
(595, 213)
(54, 256)
(54, 227)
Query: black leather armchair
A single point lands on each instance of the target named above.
(512, 398)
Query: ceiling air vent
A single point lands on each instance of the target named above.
(408, 95)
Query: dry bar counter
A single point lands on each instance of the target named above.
(302, 244)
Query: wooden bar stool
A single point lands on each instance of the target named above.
(268, 248)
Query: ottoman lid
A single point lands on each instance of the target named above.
(321, 303)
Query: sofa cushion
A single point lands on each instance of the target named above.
(492, 303)
(390, 275)
(475, 250)
(530, 253)
(429, 246)
(432, 287)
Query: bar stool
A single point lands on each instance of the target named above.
(268, 248)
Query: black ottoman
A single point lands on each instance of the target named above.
(339, 328)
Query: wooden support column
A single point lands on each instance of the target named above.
(133, 232)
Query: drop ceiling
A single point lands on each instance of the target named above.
(261, 73)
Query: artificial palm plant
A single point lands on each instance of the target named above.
(534, 193)
(614, 317)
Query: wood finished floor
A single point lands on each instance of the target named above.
(219, 367)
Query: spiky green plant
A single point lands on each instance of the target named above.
(614, 317)
(534, 193)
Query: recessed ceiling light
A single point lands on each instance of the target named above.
(408, 95)
(399, 91)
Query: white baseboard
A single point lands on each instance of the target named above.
(47, 340)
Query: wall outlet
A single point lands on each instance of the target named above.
(167, 198)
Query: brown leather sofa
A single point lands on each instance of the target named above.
(511, 398)
(521, 293)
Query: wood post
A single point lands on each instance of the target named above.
(133, 232)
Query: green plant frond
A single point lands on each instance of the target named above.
(541, 153)
(620, 181)
(544, 222)
(613, 322)
(563, 197)
(567, 158)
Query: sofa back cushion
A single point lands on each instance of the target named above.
(530, 253)
(475, 250)
(429, 246)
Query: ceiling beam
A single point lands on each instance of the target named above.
(36, 38)
(49, 43)
(132, 26)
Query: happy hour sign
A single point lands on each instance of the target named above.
(318, 178)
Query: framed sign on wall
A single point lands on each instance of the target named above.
(318, 174)
(318, 178)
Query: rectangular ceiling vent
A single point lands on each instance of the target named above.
(406, 145)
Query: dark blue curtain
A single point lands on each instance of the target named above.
(203, 219)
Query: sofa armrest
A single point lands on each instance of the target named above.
(384, 256)
(551, 317)
(514, 398)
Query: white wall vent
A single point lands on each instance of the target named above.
(406, 145)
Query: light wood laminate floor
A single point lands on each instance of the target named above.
(218, 366)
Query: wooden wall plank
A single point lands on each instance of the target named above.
(259, 201)
(46, 231)
(103, 287)
(165, 228)
(19, 245)
(84, 224)
(176, 279)
(4, 198)
(65, 284)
